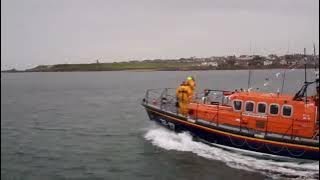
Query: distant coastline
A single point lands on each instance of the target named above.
(242, 62)
(152, 70)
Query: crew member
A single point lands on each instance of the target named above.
(192, 84)
(184, 95)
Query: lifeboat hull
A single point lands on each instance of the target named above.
(235, 140)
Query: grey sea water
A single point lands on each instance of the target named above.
(90, 125)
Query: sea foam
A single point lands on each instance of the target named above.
(170, 140)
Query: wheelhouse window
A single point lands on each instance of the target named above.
(274, 109)
(237, 105)
(262, 108)
(226, 100)
(286, 110)
(249, 106)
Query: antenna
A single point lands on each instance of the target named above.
(305, 65)
(305, 71)
(315, 65)
(314, 57)
(283, 80)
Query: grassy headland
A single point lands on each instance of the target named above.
(185, 64)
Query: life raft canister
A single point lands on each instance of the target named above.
(227, 93)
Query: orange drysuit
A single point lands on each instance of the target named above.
(184, 96)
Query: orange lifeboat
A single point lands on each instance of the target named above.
(271, 123)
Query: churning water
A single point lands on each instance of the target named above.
(276, 169)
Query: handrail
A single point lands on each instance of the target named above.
(240, 125)
(292, 121)
(197, 111)
(147, 97)
(213, 118)
(218, 115)
(218, 90)
(286, 133)
(266, 131)
(315, 134)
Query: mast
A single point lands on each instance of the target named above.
(249, 78)
(284, 72)
(315, 66)
(283, 80)
(249, 75)
(314, 57)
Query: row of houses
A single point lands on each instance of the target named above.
(241, 61)
(246, 60)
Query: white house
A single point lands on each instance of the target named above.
(214, 64)
(241, 63)
(267, 62)
(245, 58)
(283, 62)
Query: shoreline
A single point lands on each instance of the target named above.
(162, 69)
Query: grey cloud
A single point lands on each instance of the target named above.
(57, 31)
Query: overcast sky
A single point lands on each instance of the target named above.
(35, 32)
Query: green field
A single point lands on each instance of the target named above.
(116, 66)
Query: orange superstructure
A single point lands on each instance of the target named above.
(262, 112)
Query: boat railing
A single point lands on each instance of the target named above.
(215, 96)
(163, 99)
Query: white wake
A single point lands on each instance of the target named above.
(170, 140)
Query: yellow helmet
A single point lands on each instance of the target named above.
(190, 78)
